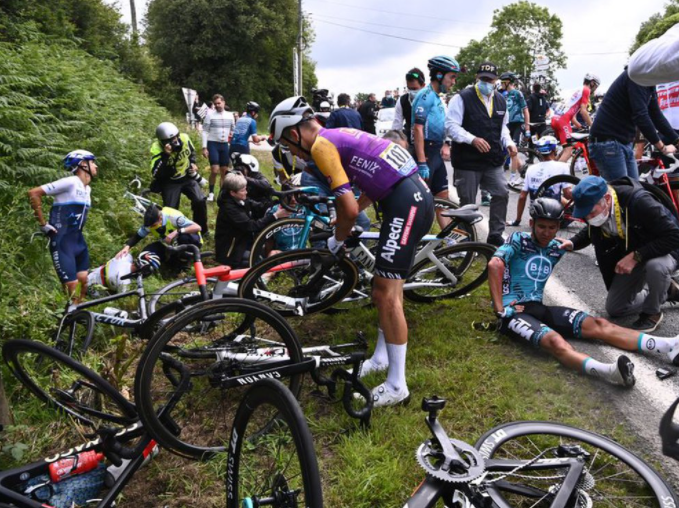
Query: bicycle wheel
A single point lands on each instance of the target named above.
(289, 282)
(468, 264)
(276, 466)
(75, 333)
(463, 232)
(66, 384)
(527, 157)
(177, 290)
(192, 376)
(579, 167)
(612, 475)
(291, 228)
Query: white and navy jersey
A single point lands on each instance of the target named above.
(71, 203)
(217, 127)
(538, 173)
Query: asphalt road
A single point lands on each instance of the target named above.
(576, 282)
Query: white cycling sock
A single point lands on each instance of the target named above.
(595, 368)
(656, 345)
(380, 356)
(396, 377)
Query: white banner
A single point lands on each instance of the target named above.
(189, 97)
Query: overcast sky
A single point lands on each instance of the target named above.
(597, 35)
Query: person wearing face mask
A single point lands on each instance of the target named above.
(174, 170)
(429, 133)
(477, 123)
(388, 100)
(404, 106)
(344, 115)
(636, 241)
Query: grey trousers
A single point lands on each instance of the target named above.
(493, 180)
(643, 290)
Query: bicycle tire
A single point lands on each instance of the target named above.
(75, 333)
(462, 229)
(258, 251)
(66, 384)
(204, 343)
(287, 282)
(278, 464)
(615, 480)
(578, 154)
(175, 290)
(555, 180)
(164, 315)
(468, 261)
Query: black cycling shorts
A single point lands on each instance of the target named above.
(407, 215)
(538, 319)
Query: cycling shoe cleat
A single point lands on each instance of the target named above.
(674, 355)
(384, 396)
(624, 373)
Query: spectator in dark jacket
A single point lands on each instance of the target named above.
(236, 227)
(388, 100)
(538, 106)
(368, 112)
(636, 242)
(625, 107)
(344, 116)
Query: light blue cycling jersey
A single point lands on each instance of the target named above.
(428, 110)
(246, 126)
(527, 267)
(515, 106)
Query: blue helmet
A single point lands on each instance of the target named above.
(443, 64)
(546, 144)
(74, 158)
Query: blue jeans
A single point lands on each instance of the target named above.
(308, 179)
(614, 160)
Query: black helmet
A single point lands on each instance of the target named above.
(508, 76)
(252, 107)
(151, 215)
(546, 208)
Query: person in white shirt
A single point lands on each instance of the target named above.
(404, 105)
(657, 61)
(217, 128)
(538, 173)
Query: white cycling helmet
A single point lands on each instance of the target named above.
(290, 112)
(244, 159)
(546, 144)
(593, 77)
(166, 131)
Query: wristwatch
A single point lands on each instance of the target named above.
(637, 256)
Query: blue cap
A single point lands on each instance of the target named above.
(588, 193)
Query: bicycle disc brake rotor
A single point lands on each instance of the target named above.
(431, 458)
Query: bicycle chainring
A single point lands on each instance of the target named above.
(431, 458)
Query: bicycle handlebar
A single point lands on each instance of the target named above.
(669, 432)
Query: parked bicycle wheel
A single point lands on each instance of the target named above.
(613, 475)
(466, 265)
(75, 333)
(66, 384)
(201, 364)
(579, 167)
(291, 228)
(301, 281)
(177, 290)
(272, 461)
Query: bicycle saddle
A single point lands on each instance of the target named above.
(579, 136)
(468, 215)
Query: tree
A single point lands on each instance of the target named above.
(519, 32)
(239, 48)
(657, 25)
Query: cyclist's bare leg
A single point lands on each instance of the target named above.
(566, 154)
(626, 338)
(442, 221)
(223, 170)
(387, 296)
(560, 349)
(214, 171)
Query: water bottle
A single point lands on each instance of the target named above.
(74, 464)
(112, 311)
(113, 472)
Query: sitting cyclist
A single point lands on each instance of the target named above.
(517, 275)
(539, 173)
(386, 173)
(287, 238)
(172, 227)
(236, 223)
(636, 242)
(110, 275)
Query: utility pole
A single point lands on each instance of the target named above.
(300, 49)
(133, 15)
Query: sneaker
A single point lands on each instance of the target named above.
(647, 322)
(624, 374)
(496, 240)
(674, 356)
(368, 367)
(211, 197)
(485, 198)
(384, 396)
(673, 292)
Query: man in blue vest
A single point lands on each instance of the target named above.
(476, 121)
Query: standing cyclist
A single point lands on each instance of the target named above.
(217, 129)
(67, 219)
(246, 128)
(384, 172)
(428, 123)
